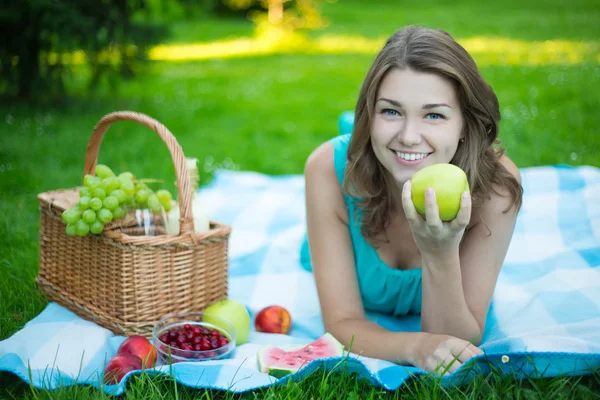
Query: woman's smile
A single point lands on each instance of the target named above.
(410, 158)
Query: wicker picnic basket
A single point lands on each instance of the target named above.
(121, 279)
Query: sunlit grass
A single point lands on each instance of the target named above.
(485, 50)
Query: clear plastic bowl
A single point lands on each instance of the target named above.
(176, 322)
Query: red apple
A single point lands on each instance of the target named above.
(119, 366)
(273, 319)
(141, 347)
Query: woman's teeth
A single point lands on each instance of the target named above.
(411, 156)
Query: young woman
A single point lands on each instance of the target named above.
(423, 102)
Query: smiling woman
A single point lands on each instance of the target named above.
(424, 109)
(423, 102)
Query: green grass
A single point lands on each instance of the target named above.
(324, 384)
(266, 114)
(528, 20)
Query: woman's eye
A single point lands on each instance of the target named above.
(389, 111)
(435, 116)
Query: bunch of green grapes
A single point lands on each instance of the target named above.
(105, 197)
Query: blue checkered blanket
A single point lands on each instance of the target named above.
(544, 318)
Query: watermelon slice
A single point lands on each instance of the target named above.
(279, 362)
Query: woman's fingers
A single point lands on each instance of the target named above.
(451, 365)
(465, 351)
(464, 213)
(432, 212)
(407, 204)
(445, 367)
(458, 352)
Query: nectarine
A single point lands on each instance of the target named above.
(273, 319)
(141, 347)
(119, 366)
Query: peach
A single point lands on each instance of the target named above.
(119, 366)
(273, 319)
(141, 347)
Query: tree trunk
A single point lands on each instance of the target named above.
(28, 68)
(275, 13)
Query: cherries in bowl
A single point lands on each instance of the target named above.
(193, 336)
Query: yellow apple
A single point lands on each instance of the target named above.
(448, 181)
(234, 312)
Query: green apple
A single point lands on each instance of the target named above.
(234, 312)
(448, 181)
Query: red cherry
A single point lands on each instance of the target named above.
(164, 337)
(205, 345)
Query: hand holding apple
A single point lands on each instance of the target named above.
(440, 193)
(273, 319)
(448, 182)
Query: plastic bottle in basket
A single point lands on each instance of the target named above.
(201, 220)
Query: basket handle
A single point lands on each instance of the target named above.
(181, 171)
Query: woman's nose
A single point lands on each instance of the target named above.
(408, 133)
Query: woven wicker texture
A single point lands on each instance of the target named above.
(123, 280)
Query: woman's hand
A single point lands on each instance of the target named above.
(443, 354)
(433, 236)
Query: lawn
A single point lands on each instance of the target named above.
(266, 112)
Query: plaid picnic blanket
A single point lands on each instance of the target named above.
(544, 319)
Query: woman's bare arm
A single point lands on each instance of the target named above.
(334, 268)
(458, 285)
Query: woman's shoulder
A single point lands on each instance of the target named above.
(320, 160)
(501, 194)
(321, 178)
(511, 167)
(500, 198)
(331, 155)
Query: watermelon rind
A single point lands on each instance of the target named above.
(279, 371)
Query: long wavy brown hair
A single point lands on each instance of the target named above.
(430, 51)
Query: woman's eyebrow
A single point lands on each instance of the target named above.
(429, 106)
(425, 107)
(393, 102)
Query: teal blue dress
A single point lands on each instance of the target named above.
(382, 288)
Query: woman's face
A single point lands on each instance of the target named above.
(417, 122)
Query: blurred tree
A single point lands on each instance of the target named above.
(43, 38)
(224, 8)
(285, 19)
(287, 14)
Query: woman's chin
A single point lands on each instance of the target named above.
(401, 178)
